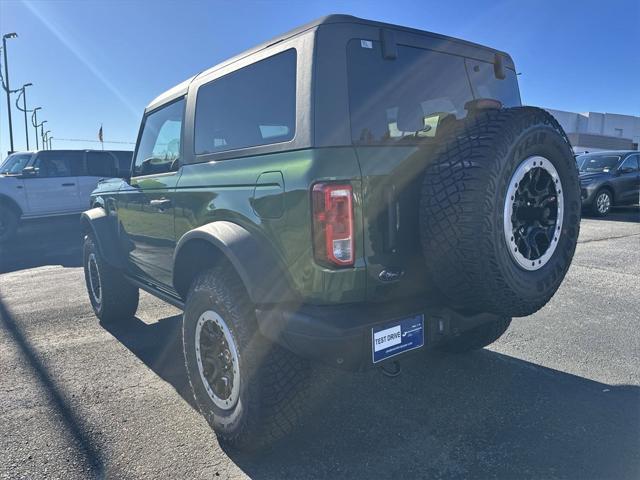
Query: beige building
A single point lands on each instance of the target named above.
(593, 131)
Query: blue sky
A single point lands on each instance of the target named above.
(101, 62)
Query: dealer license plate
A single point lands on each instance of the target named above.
(398, 337)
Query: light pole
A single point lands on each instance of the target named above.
(34, 122)
(8, 88)
(46, 139)
(50, 147)
(24, 108)
(44, 147)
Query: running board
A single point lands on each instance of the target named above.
(156, 292)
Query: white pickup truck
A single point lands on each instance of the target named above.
(53, 182)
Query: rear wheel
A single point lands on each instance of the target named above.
(249, 389)
(602, 203)
(478, 337)
(8, 223)
(112, 297)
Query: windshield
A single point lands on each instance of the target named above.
(14, 164)
(597, 163)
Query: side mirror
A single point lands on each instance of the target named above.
(624, 170)
(29, 172)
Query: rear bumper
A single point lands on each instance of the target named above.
(340, 335)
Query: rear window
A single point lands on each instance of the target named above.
(410, 98)
(253, 106)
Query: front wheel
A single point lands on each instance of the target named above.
(112, 297)
(249, 389)
(602, 203)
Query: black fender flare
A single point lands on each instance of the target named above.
(97, 222)
(253, 258)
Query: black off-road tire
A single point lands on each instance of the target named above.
(477, 338)
(115, 299)
(9, 221)
(462, 211)
(273, 382)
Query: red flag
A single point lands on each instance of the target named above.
(100, 134)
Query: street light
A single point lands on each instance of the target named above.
(8, 88)
(46, 139)
(44, 147)
(24, 107)
(34, 122)
(50, 147)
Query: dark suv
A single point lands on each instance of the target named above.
(608, 179)
(348, 192)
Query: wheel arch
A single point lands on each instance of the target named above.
(251, 256)
(96, 222)
(11, 203)
(609, 189)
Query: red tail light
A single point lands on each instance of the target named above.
(333, 224)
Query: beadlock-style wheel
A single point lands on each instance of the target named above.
(533, 213)
(217, 358)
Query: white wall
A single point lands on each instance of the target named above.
(599, 123)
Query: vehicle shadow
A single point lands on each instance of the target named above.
(629, 213)
(54, 241)
(482, 415)
(88, 452)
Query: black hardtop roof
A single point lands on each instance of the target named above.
(181, 88)
(65, 150)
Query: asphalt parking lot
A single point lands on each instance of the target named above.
(557, 397)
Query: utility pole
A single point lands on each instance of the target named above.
(34, 122)
(7, 87)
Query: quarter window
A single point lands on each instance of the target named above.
(253, 106)
(100, 164)
(159, 146)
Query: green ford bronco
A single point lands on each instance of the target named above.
(348, 192)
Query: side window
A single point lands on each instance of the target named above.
(631, 162)
(159, 145)
(253, 106)
(101, 164)
(59, 163)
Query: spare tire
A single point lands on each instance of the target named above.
(500, 212)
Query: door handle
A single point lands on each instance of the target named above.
(68, 184)
(161, 203)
